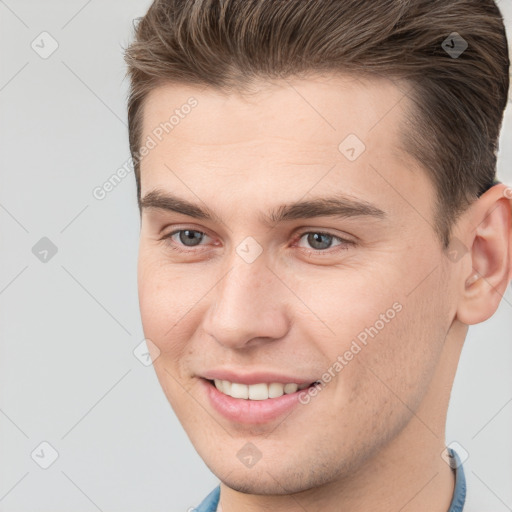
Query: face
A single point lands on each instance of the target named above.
(286, 239)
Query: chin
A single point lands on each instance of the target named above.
(265, 484)
(269, 479)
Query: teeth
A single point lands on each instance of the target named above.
(226, 387)
(275, 390)
(257, 391)
(239, 390)
(290, 388)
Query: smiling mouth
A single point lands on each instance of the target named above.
(260, 391)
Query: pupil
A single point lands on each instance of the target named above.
(319, 240)
(189, 235)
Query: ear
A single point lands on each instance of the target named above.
(487, 272)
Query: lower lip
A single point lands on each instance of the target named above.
(250, 412)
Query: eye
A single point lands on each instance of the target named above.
(190, 237)
(185, 238)
(320, 241)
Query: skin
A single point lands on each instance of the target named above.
(373, 437)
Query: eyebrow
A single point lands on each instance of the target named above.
(333, 206)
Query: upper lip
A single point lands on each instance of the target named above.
(253, 377)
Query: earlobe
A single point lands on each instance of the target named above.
(489, 237)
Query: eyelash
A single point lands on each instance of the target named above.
(343, 245)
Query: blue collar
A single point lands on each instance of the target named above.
(211, 501)
(459, 493)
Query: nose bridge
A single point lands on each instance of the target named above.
(247, 304)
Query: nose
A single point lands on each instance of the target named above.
(248, 306)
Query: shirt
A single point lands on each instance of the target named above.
(211, 502)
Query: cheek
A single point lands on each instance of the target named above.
(353, 309)
(385, 342)
(399, 361)
(168, 299)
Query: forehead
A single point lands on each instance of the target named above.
(283, 133)
(321, 108)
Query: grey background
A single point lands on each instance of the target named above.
(68, 375)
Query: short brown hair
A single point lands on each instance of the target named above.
(459, 100)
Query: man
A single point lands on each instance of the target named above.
(320, 224)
